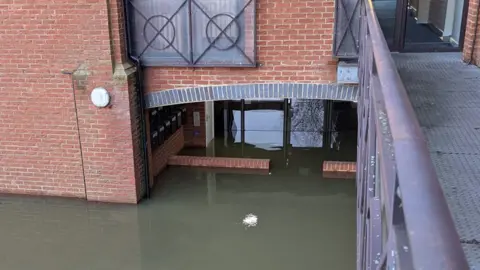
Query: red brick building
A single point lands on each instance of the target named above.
(54, 141)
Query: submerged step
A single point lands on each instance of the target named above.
(339, 169)
(220, 162)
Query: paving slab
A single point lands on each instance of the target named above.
(445, 93)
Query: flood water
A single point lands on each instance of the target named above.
(194, 219)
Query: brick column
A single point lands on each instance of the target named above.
(111, 147)
(117, 30)
(110, 136)
(195, 136)
(471, 47)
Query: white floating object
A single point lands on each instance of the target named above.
(250, 220)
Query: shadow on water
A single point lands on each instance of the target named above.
(194, 221)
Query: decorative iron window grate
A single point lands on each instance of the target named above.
(192, 32)
(346, 42)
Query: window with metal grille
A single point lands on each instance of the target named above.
(192, 32)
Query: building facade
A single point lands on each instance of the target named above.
(55, 142)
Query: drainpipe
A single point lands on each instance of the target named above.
(141, 99)
(472, 51)
(242, 124)
(71, 73)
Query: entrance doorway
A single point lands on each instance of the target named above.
(422, 25)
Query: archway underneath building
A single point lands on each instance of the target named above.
(254, 91)
(268, 129)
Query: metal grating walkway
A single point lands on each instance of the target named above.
(445, 93)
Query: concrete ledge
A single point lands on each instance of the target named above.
(220, 162)
(339, 169)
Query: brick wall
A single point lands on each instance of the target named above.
(40, 152)
(53, 144)
(472, 40)
(294, 43)
(160, 156)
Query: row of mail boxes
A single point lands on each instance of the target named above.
(164, 122)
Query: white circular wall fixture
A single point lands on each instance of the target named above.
(100, 97)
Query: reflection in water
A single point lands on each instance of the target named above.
(193, 221)
(264, 128)
(307, 123)
(195, 218)
(286, 123)
(284, 136)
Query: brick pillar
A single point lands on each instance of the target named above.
(117, 31)
(111, 137)
(471, 47)
(195, 136)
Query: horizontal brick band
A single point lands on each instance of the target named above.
(220, 162)
(339, 169)
(340, 92)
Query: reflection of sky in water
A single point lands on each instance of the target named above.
(267, 140)
(260, 120)
(264, 128)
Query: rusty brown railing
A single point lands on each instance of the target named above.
(403, 221)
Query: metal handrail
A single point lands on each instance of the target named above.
(403, 220)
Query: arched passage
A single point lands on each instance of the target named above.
(338, 92)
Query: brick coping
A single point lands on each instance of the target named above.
(220, 162)
(339, 169)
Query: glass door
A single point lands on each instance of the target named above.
(422, 25)
(433, 25)
(386, 11)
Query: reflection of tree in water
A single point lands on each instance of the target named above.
(307, 115)
(307, 123)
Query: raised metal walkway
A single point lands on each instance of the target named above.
(445, 94)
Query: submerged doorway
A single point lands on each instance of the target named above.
(422, 25)
(281, 129)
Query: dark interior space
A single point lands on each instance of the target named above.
(417, 36)
(298, 133)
